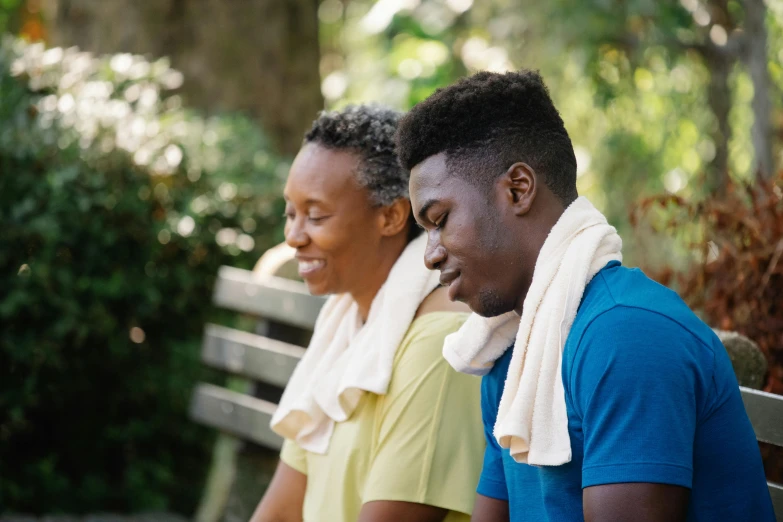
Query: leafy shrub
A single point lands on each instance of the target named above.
(117, 207)
(736, 277)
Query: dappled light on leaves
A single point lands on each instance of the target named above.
(112, 198)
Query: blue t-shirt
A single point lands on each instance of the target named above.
(651, 397)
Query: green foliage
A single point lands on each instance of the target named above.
(117, 208)
(630, 79)
(398, 58)
(735, 276)
(8, 12)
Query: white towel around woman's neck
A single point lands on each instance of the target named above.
(532, 420)
(346, 359)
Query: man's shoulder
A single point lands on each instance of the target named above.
(622, 304)
(617, 285)
(621, 296)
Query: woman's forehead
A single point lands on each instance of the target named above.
(322, 174)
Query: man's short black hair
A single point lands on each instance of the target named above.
(367, 131)
(487, 122)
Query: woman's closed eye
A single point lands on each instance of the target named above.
(290, 214)
(317, 218)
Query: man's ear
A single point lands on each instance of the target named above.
(394, 218)
(519, 185)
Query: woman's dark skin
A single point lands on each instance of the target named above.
(344, 244)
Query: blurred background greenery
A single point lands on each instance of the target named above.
(144, 144)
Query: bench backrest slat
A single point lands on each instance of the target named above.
(766, 414)
(270, 297)
(236, 413)
(765, 411)
(250, 355)
(776, 492)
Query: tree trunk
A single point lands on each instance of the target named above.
(719, 101)
(755, 56)
(256, 56)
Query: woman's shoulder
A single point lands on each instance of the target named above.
(438, 301)
(423, 343)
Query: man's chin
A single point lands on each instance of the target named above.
(488, 313)
(488, 304)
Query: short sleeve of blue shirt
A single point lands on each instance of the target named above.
(639, 385)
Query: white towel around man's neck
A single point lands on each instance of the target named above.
(532, 420)
(346, 359)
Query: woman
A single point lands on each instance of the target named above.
(377, 425)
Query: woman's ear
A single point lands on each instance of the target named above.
(394, 218)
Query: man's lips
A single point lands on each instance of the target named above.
(448, 276)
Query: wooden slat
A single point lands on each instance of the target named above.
(254, 356)
(766, 414)
(235, 413)
(270, 297)
(776, 492)
(765, 411)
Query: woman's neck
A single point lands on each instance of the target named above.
(367, 290)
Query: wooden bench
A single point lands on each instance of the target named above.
(268, 357)
(286, 312)
(766, 414)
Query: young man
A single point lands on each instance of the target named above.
(652, 419)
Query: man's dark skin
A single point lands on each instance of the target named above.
(486, 242)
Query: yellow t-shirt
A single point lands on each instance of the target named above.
(422, 442)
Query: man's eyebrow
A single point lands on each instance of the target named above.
(422, 214)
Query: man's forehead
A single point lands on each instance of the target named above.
(429, 173)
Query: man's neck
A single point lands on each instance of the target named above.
(544, 220)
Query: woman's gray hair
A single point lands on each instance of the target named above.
(368, 131)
